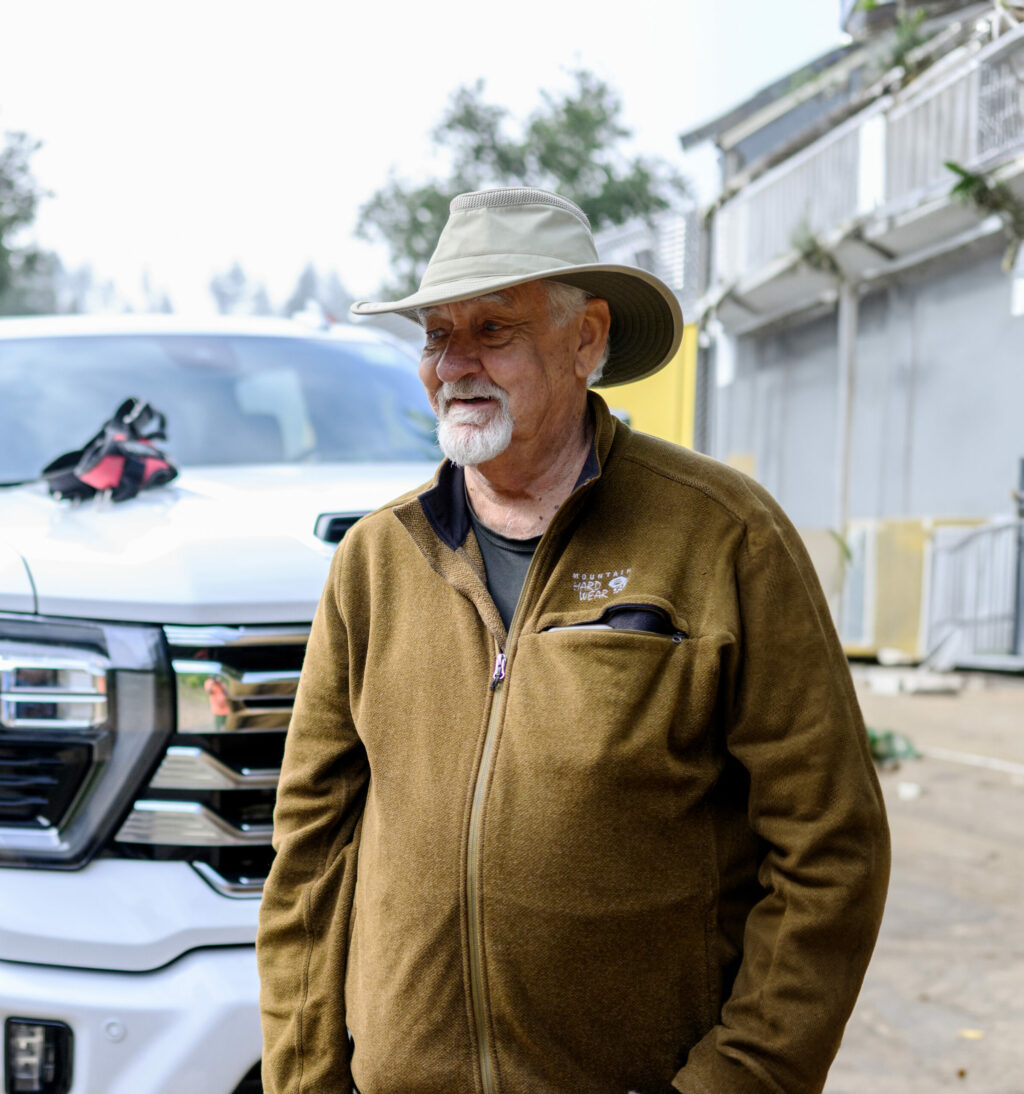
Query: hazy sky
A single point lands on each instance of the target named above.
(180, 137)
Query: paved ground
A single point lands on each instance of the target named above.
(943, 1004)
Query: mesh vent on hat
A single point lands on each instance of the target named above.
(516, 195)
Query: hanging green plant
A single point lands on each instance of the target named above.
(909, 34)
(990, 196)
(812, 251)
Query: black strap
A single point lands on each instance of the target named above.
(130, 434)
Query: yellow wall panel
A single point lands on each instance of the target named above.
(664, 403)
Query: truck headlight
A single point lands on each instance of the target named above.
(85, 712)
(37, 1056)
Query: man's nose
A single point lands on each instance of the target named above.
(460, 357)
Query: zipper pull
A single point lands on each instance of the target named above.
(499, 670)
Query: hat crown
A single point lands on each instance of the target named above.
(514, 232)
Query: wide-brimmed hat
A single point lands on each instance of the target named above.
(498, 238)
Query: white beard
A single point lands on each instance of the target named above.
(468, 435)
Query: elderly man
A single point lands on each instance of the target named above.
(576, 797)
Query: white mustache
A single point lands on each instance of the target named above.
(468, 388)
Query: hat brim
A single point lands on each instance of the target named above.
(647, 322)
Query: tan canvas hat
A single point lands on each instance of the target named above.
(498, 238)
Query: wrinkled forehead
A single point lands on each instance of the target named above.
(505, 298)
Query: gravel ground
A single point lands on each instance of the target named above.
(942, 1006)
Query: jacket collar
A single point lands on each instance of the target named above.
(444, 503)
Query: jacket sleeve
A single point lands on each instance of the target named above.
(815, 804)
(302, 941)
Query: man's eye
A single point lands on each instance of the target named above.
(435, 334)
(492, 327)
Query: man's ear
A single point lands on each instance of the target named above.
(597, 321)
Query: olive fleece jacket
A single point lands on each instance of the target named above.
(573, 859)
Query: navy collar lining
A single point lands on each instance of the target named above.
(445, 506)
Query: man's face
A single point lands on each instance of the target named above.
(501, 376)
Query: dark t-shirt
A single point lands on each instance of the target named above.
(505, 562)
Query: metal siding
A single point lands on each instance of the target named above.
(783, 409)
(967, 430)
(937, 424)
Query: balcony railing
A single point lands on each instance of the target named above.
(668, 244)
(816, 189)
(922, 133)
(888, 158)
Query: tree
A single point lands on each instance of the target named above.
(34, 285)
(326, 292)
(306, 289)
(81, 292)
(155, 299)
(571, 144)
(22, 268)
(235, 294)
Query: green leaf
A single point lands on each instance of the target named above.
(571, 143)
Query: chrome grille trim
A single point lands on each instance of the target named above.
(186, 768)
(213, 637)
(245, 888)
(244, 683)
(188, 824)
(210, 801)
(69, 685)
(215, 698)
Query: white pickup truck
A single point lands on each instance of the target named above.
(149, 653)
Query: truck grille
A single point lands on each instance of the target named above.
(211, 799)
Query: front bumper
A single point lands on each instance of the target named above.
(191, 1027)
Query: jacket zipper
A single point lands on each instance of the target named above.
(485, 1050)
(476, 979)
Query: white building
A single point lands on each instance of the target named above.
(865, 343)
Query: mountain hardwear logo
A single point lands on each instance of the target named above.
(599, 586)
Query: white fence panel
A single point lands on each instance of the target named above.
(1001, 102)
(972, 596)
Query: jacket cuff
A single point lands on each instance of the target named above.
(707, 1071)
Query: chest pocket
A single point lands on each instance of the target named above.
(606, 737)
(616, 683)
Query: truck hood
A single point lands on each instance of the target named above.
(219, 545)
(16, 592)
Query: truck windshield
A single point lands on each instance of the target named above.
(228, 399)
